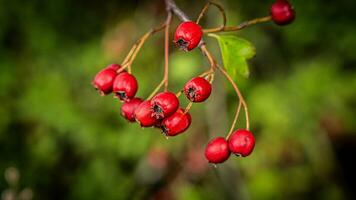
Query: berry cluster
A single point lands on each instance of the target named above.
(162, 109)
(240, 143)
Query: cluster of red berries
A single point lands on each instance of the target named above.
(240, 143)
(161, 111)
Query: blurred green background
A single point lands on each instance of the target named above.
(60, 140)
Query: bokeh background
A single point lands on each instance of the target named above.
(60, 140)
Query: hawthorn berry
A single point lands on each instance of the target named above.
(144, 115)
(217, 150)
(241, 142)
(125, 86)
(128, 108)
(176, 123)
(164, 104)
(282, 12)
(103, 80)
(198, 89)
(188, 35)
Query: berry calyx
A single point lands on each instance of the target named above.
(125, 86)
(103, 81)
(176, 123)
(188, 35)
(164, 104)
(144, 115)
(128, 108)
(217, 150)
(241, 142)
(282, 12)
(198, 89)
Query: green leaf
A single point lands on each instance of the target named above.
(235, 52)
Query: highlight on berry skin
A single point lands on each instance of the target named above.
(188, 35)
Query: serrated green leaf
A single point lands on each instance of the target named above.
(235, 52)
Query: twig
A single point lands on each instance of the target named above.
(242, 100)
(238, 27)
(166, 50)
(205, 9)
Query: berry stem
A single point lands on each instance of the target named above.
(242, 100)
(137, 47)
(128, 56)
(207, 53)
(235, 121)
(189, 106)
(179, 93)
(166, 57)
(159, 86)
(205, 9)
(238, 27)
(206, 73)
(166, 50)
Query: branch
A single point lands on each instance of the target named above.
(172, 6)
(238, 27)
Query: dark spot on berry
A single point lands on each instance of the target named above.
(157, 112)
(182, 44)
(121, 95)
(165, 130)
(191, 94)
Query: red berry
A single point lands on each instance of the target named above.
(241, 142)
(125, 86)
(103, 80)
(128, 108)
(217, 150)
(198, 89)
(176, 123)
(282, 12)
(188, 35)
(164, 104)
(144, 114)
(114, 66)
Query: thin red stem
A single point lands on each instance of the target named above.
(242, 100)
(238, 27)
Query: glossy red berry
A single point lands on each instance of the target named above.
(164, 104)
(125, 86)
(144, 115)
(176, 123)
(104, 80)
(217, 150)
(282, 12)
(128, 108)
(198, 89)
(241, 142)
(188, 35)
